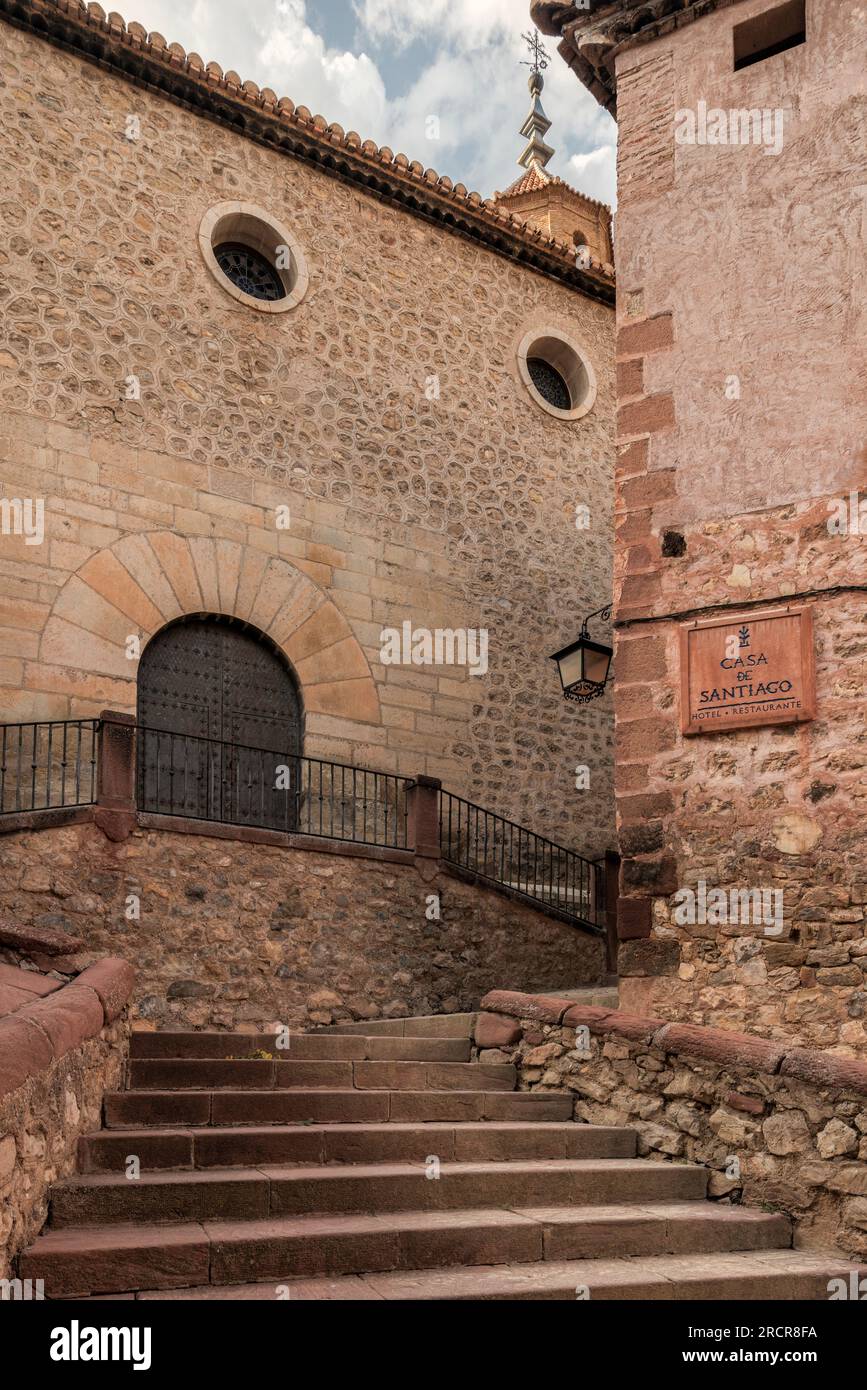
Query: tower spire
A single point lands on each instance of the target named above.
(537, 125)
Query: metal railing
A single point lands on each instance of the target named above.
(48, 765)
(51, 765)
(504, 853)
(238, 784)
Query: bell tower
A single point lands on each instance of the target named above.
(542, 199)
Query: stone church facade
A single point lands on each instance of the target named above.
(740, 374)
(246, 484)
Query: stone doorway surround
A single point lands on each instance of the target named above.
(134, 587)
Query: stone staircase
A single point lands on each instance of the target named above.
(311, 1177)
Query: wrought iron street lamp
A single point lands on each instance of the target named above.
(584, 665)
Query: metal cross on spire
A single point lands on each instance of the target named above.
(537, 125)
(540, 57)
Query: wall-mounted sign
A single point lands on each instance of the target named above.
(748, 669)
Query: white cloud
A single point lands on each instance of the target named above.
(468, 74)
(467, 22)
(342, 86)
(595, 173)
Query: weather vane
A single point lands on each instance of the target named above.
(540, 59)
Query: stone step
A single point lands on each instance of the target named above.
(422, 1026)
(135, 1109)
(113, 1259)
(776, 1276)
(161, 1074)
(227, 1147)
(257, 1193)
(303, 1047)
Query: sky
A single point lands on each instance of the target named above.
(384, 68)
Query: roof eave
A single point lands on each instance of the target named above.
(591, 40)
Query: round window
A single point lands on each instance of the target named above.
(249, 270)
(253, 257)
(549, 383)
(557, 373)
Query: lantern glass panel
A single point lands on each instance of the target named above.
(572, 668)
(596, 665)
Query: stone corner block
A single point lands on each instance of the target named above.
(67, 1018)
(112, 980)
(634, 918)
(545, 1008)
(24, 1051)
(115, 825)
(496, 1030)
(650, 956)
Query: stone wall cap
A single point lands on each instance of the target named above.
(112, 979)
(826, 1069)
(544, 1008)
(51, 1018)
(25, 1050)
(721, 1045)
(771, 1056)
(586, 1016)
(42, 939)
(67, 1018)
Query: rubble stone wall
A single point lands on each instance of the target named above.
(778, 1126)
(231, 934)
(58, 1057)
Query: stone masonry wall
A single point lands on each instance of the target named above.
(453, 511)
(741, 425)
(779, 1127)
(237, 935)
(39, 1129)
(60, 1051)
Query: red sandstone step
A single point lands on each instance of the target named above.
(781, 1275)
(303, 1047)
(114, 1259)
(108, 1150)
(179, 1195)
(124, 1109)
(160, 1074)
(392, 1187)
(175, 1196)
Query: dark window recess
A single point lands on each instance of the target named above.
(549, 383)
(249, 270)
(769, 33)
(673, 544)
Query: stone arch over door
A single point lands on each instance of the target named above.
(141, 583)
(220, 725)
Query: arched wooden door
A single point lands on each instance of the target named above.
(220, 718)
